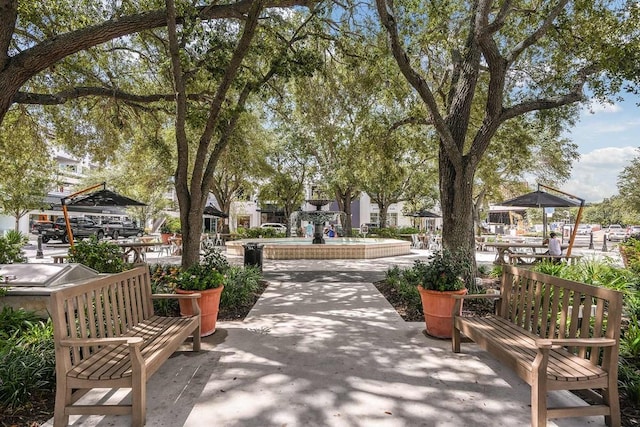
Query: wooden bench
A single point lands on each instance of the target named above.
(555, 334)
(106, 335)
(516, 258)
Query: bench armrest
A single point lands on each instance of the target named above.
(80, 342)
(175, 296)
(576, 342)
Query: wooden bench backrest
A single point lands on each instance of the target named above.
(107, 306)
(552, 307)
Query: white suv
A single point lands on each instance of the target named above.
(281, 228)
(615, 232)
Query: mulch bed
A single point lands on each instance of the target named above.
(40, 409)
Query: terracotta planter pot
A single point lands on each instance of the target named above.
(438, 308)
(209, 303)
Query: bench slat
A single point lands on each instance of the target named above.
(521, 346)
(113, 361)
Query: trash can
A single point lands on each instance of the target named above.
(253, 254)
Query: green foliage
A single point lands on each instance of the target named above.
(630, 249)
(171, 226)
(12, 321)
(101, 255)
(389, 233)
(27, 358)
(405, 283)
(214, 258)
(163, 281)
(257, 232)
(11, 248)
(240, 284)
(407, 230)
(445, 271)
(199, 277)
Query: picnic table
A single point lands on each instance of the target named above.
(137, 250)
(504, 249)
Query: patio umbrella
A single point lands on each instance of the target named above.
(213, 211)
(542, 199)
(424, 214)
(101, 197)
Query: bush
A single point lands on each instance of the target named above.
(257, 232)
(199, 277)
(27, 359)
(240, 284)
(101, 255)
(214, 258)
(171, 226)
(11, 247)
(163, 281)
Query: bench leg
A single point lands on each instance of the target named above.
(138, 401)
(455, 339)
(63, 399)
(196, 340)
(610, 397)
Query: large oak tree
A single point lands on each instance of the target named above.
(512, 57)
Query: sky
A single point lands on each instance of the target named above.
(608, 137)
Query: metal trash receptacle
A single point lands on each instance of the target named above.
(253, 254)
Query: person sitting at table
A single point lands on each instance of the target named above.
(555, 249)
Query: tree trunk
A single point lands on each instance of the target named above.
(344, 199)
(191, 221)
(456, 199)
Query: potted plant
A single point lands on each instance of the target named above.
(208, 283)
(440, 279)
(168, 228)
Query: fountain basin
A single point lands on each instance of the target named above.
(335, 248)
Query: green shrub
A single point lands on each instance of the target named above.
(171, 226)
(11, 247)
(199, 277)
(214, 258)
(101, 255)
(257, 232)
(240, 284)
(407, 230)
(27, 359)
(12, 321)
(405, 283)
(387, 232)
(163, 281)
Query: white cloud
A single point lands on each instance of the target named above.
(595, 107)
(594, 176)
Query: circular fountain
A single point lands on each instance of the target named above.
(319, 247)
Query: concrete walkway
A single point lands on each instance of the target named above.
(322, 347)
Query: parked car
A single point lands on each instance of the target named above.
(39, 225)
(122, 228)
(584, 229)
(280, 228)
(615, 232)
(633, 229)
(80, 227)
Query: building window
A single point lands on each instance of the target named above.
(243, 221)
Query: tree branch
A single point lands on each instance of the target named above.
(576, 94)
(537, 34)
(86, 91)
(418, 83)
